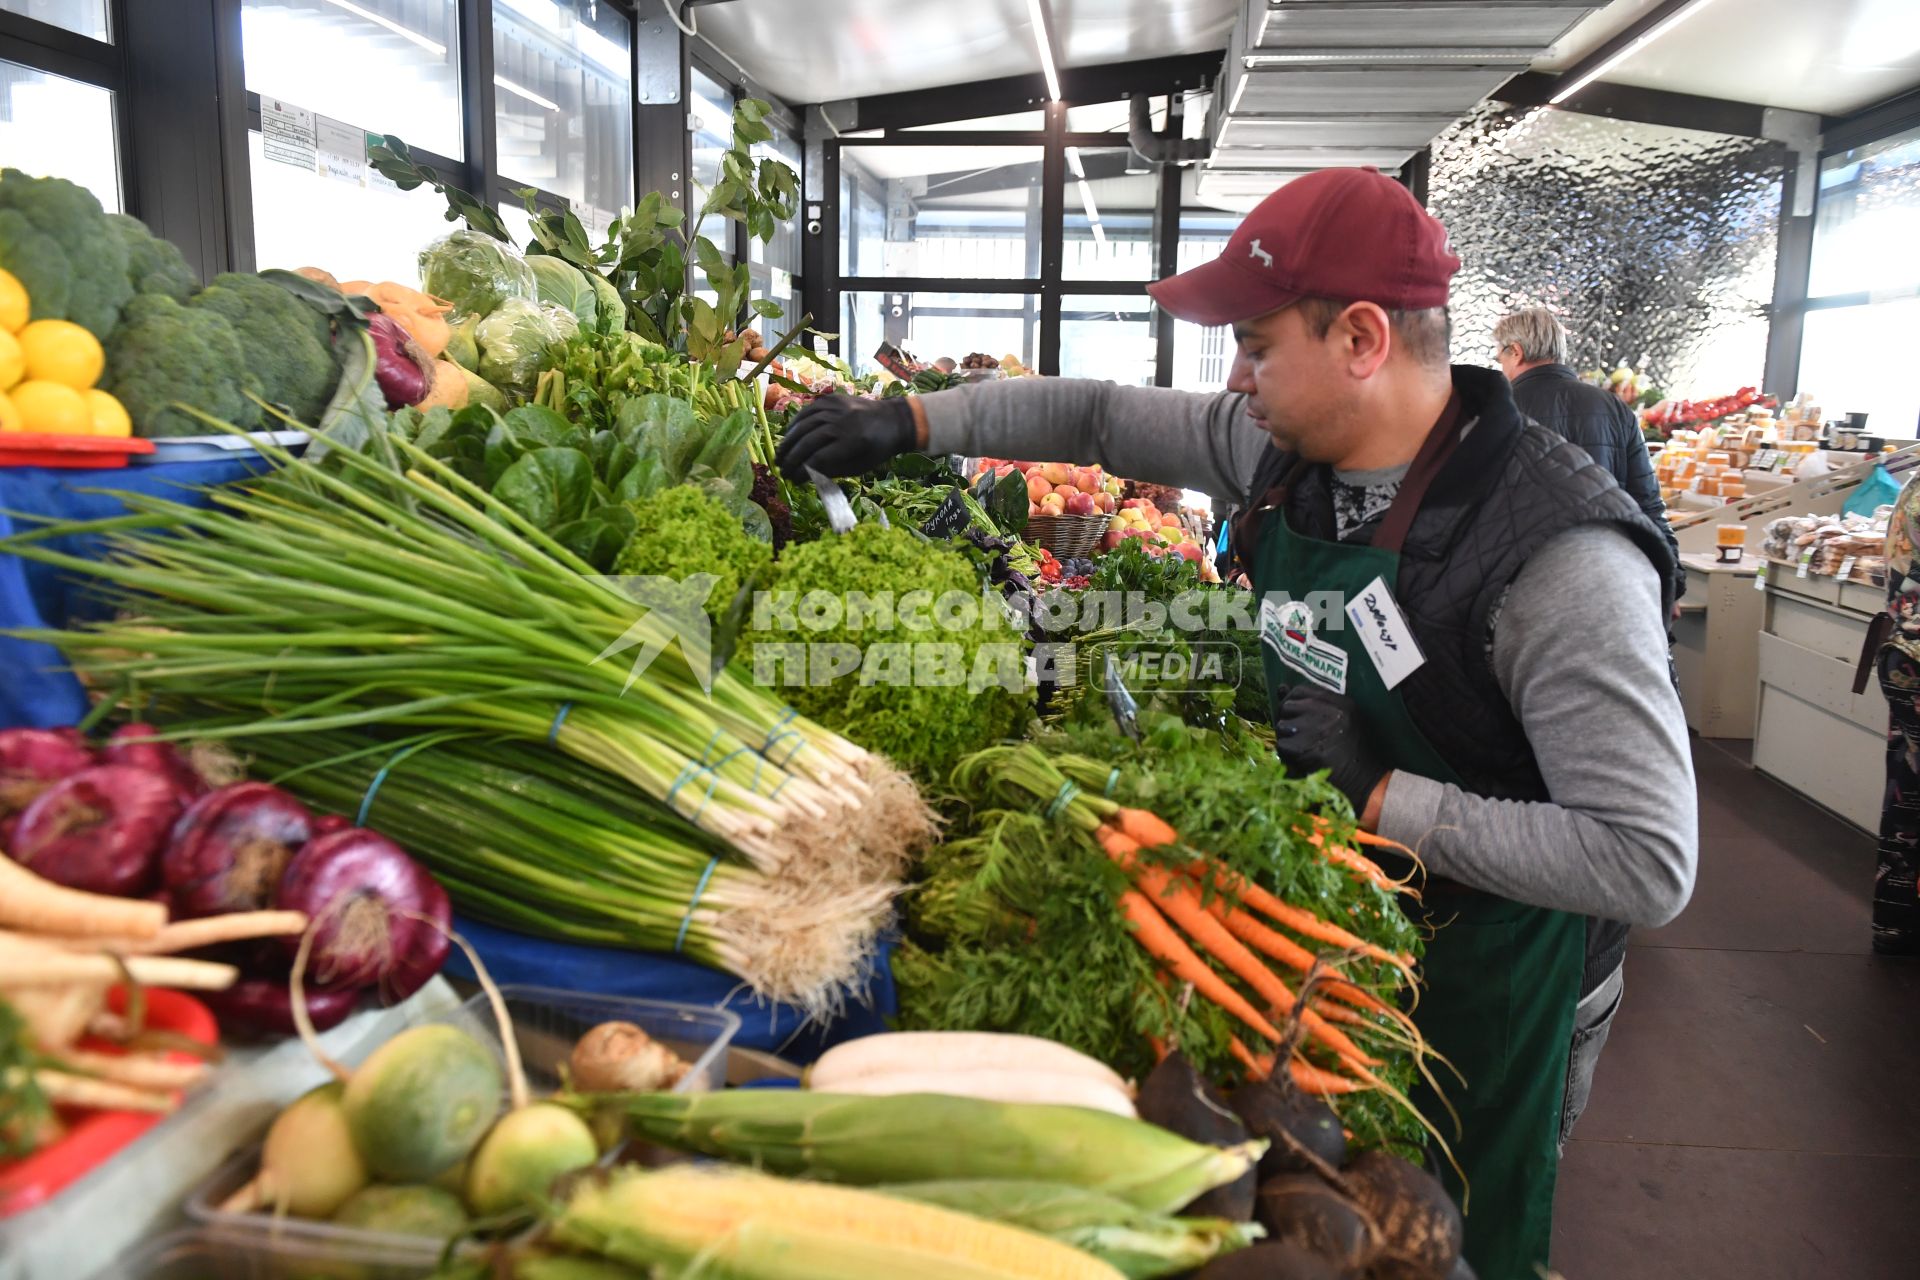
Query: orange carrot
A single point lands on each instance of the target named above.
(1181, 900)
(1302, 921)
(1116, 842)
(1149, 829)
(1166, 945)
(1293, 955)
(1306, 1076)
(1366, 868)
(1258, 1068)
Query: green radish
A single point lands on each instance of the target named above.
(421, 1102)
(309, 1165)
(521, 1156)
(403, 1211)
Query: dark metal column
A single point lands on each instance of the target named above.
(476, 98)
(1166, 261)
(1053, 235)
(1793, 261)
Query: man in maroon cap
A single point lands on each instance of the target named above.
(1493, 688)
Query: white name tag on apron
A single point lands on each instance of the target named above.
(1384, 632)
(1287, 629)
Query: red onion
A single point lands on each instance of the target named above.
(230, 848)
(402, 368)
(162, 758)
(362, 892)
(264, 1006)
(325, 824)
(31, 760)
(101, 830)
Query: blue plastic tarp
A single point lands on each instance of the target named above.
(36, 689)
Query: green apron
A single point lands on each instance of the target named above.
(1501, 979)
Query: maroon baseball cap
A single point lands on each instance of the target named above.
(1350, 234)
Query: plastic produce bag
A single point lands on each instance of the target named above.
(515, 337)
(1877, 490)
(476, 273)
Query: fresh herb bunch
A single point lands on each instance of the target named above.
(23, 1108)
(646, 254)
(889, 704)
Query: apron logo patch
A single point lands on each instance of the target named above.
(1288, 630)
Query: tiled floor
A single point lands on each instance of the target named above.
(1757, 1111)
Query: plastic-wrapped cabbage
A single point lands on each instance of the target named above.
(475, 272)
(562, 284)
(613, 309)
(515, 336)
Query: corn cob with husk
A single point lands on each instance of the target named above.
(1140, 1245)
(691, 1221)
(873, 1141)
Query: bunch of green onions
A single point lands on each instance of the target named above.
(382, 591)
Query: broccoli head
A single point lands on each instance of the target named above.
(288, 344)
(164, 354)
(82, 275)
(683, 531)
(154, 265)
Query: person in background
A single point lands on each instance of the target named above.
(1531, 347)
(1894, 650)
(1507, 709)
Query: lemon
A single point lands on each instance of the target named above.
(13, 361)
(15, 306)
(61, 351)
(109, 415)
(52, 408)
(9, 416)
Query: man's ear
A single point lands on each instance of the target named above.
(1368, 337)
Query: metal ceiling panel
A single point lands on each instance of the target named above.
(1431, 24)
(1453, 90)
(1379, 130)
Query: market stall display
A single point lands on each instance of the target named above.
(439, 642)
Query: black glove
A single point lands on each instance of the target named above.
(1317, 729)
(838, 435)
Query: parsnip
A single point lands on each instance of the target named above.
(28, 901)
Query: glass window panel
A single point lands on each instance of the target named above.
(519, 222)
(1108, 337)
(380, 64)
(563, 99)
(963, 213)
(1201, 356)
(1860, 360)
(712, 111)
(1109, 217)
(929, 325)
(83, 17)
(1868, 219)
(356, 232)
(54, 127)
(783, 251)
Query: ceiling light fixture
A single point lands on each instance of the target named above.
(1073, 162)
(1632, 47)
(1037, 11)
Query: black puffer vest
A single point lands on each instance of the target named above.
(1509, 488)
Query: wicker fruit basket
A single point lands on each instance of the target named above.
(1066, 535)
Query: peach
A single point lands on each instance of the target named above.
(1103, 503)
(1053, 504)
(1190, 550)
(1116, 525)
(1169, 537)
(1055, 473)
(1037, 487)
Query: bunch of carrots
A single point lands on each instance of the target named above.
(1233, 942)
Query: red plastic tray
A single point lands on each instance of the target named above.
(99, 1135)
(38, 449)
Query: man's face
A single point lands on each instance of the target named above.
(1300, 386)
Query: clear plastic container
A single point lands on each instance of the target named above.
(207, 1254)
(546, 1022)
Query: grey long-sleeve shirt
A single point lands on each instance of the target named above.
(1585, 669)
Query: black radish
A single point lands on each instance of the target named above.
(1293, 1122)
(1420, 1228)
(1269, 1262)
(1301, 1209)
(1174, 1096)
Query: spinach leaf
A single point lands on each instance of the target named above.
(548, 486)
(598, 536)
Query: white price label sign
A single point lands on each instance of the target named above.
(1845, 570)
(1806, 563)
(342, 150)
(286, 134)
(1760, 577)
